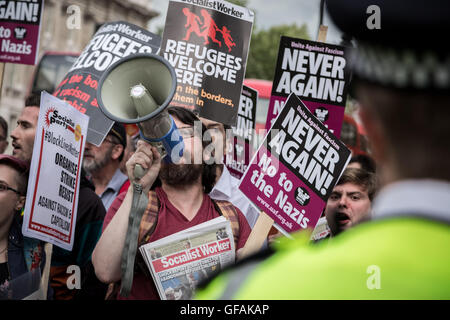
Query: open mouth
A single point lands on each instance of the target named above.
(15, 147)
(342, 218)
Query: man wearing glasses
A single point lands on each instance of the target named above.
(103, 164)
(182, 201)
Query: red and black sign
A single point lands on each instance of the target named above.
(20, 23)
(207, 44)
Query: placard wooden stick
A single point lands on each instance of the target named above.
(258, 235)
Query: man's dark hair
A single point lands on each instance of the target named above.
(4, 126)
(189, 118)
(415, 125)
(365, 179)
(366, 162)
(33, 100)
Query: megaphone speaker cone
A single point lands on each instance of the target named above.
(137, 89)
(147, 74)
(142, 100)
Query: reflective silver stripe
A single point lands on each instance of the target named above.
(237, 278)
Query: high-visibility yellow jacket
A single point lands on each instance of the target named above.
(392, 258)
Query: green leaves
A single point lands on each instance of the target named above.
(264, 45)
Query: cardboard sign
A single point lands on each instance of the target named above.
(52, 195)
(242, 141)
(20, 23)
(316, 72)
(207, 44)
(295, 169)
(112, 42)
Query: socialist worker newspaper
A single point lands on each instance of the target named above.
(180, 261)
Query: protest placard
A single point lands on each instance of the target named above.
(316, 72)
(242, 140)
(112, 42)
(20, 23)
(52, 194)
(295, 169)
(207, 44)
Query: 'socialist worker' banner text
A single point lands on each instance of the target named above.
(295, 169)
(52, 195)
(241, 144)
(20, 23)
(112, 42)
(207, 44)
(317, 73)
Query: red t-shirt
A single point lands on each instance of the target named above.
(170, 221)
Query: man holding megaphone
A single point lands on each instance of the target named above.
(181, 198)
(138, 89)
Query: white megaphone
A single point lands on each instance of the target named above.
(137, 89)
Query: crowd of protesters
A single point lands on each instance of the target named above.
(185, 195)
(411, 165)
(402, 253)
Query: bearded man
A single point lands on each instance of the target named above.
(102, 164)
(182, 199)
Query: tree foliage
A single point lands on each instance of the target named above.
(264, 44)
(263, 52)
(242, 3)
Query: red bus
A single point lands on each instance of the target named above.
(264, 88)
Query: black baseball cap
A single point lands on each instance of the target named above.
(118, 130)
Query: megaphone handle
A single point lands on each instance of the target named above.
(138, 206)
(139, 172)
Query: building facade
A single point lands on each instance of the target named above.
(66, 26)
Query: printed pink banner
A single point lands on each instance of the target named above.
(19, 31)
(316, 72)
(295, 169)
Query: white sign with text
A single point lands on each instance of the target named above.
(54, 183)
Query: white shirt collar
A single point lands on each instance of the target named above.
(225, 184)
(425, 198)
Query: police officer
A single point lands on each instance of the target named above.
(401, 77)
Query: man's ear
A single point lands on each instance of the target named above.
(375, 133)
(20, 203)
(118, 149)
(208, 154)
(228, 144)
